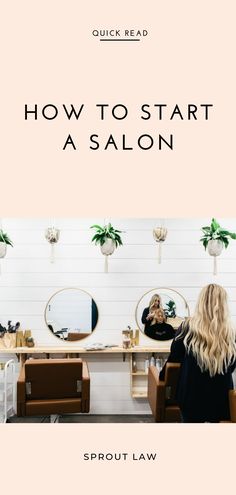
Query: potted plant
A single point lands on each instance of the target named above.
(215, 238)
(4, 242)
(170, 310)
(108, 238)
(159, 234)
(52, 235)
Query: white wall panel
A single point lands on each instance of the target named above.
(142, 266)
(127, 252)
(116, 280)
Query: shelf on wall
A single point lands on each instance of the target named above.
(139, 373)
(139, 393)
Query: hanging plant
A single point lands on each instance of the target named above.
(52, 235)
(216, 238)
(108, 238)
(159, 235)
(4, 242)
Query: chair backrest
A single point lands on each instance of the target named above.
(53, 378)
(76, 336)
(171, 381)
(162, 393)
(232, 405)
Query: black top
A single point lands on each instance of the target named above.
(157, 331)
(201, 398)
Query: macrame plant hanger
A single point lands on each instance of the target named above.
(159, 234)
(52, 235)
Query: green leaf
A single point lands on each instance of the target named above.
(205, 242)
(215, 231)
(225, 241)
(96, 227)
(108, 231)
(214, 225)
(4, 238)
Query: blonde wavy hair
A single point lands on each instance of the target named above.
(155, 296)
(158, 310)
(211, 336)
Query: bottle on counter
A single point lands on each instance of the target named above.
(152, 361)
(146, 365)
(159, 364)
(134, 365)
(126, 340)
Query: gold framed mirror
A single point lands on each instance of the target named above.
(71, 314)
(160, 312)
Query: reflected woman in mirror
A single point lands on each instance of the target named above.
(154, 321)
(148, 313)
(206, 348)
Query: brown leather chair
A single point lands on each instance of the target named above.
(232, 405)
(161, 394)
(52, 387)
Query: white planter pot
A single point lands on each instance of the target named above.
(52, 235)
(108, 247)
(215, 247)
(160, 234)
(3, 249)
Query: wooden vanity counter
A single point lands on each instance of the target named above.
(24, 351)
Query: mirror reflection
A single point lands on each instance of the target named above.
(160, 312)
(71, 314)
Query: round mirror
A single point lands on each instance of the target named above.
(71, 314)
(160, 312)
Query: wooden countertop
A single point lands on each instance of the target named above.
(81, 350)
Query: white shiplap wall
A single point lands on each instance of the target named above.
(28, 279)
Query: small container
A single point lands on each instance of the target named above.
(132, 338)
(159, 364)
(29, 342)
(146, 366)
(134, 366)
(152, 361)
(126, 340)
(135, 338)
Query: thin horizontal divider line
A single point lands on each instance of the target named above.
(115, 258)
(111, 287)
(128, 230)
(99, 301)
(112, 272)
(88, 243)
(118, 39)
(142, 228)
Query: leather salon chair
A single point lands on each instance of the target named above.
(232, 405)
(49, 387)
(161, 394)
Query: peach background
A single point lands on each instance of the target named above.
(50, 56)
(49, 459)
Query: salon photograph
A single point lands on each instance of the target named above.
(118, 320)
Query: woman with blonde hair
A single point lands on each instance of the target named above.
(154, 320)
(206, 348)
(148, 316)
